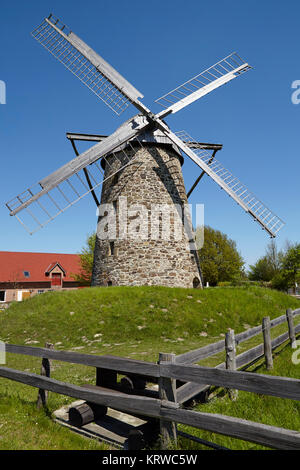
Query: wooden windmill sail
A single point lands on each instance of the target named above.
(131, 144)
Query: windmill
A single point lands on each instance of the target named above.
(141, 161)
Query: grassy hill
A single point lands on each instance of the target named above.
(135, 322)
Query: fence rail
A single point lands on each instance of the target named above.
(104, 362)
(166, 406)
(188, 390)
(214, 348)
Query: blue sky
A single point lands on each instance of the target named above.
(156, 45)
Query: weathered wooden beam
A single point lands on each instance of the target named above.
(267, 342)
(282, 387)
(230, 359)
(249, 356)
(269, 436)
(167, 392)
(290, 320)
(190, 390)
(280, 340)
(212, 349)
(200, 353)
(119, 364)
(234, 427)
(114, 399)
(45, 371)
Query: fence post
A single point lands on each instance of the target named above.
(45, 370)
(266, 329)
(290, 320)
(230, 359)
(167, 391)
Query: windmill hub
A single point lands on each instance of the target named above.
(150, 137)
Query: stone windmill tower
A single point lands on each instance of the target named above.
(149, 245)
(138, 166)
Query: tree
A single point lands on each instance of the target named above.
(261, 270)
(219, 259)
(268, 265)
(290, 271)
(86, 261)
(274, 256)
(282, 268)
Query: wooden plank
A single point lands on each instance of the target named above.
(115, 392)
(231, 359)
(282, 387)
(106, 362)
(258, 351)
(240, 337)
(200, 353)
(245, 335)
(189, 390)
(267, 342)
(167, 391)
(250, 355)
(186, 390)
(269, 436)
(280, 340)
(118, 388)
(291, 327)
(277, 321)
(45, 370)
(211, 349)
(117, 400)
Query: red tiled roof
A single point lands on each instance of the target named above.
(13, 265)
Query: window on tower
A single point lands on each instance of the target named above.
(111, 248)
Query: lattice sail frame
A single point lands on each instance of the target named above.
(58, 199)
(237, 190)
(215, 76)
(85, 64)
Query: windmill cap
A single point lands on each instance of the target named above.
(151, 137)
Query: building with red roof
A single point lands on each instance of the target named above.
(25, 274)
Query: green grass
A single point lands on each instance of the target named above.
(134, 322)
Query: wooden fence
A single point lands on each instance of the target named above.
(166, 404)
(189, 390)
